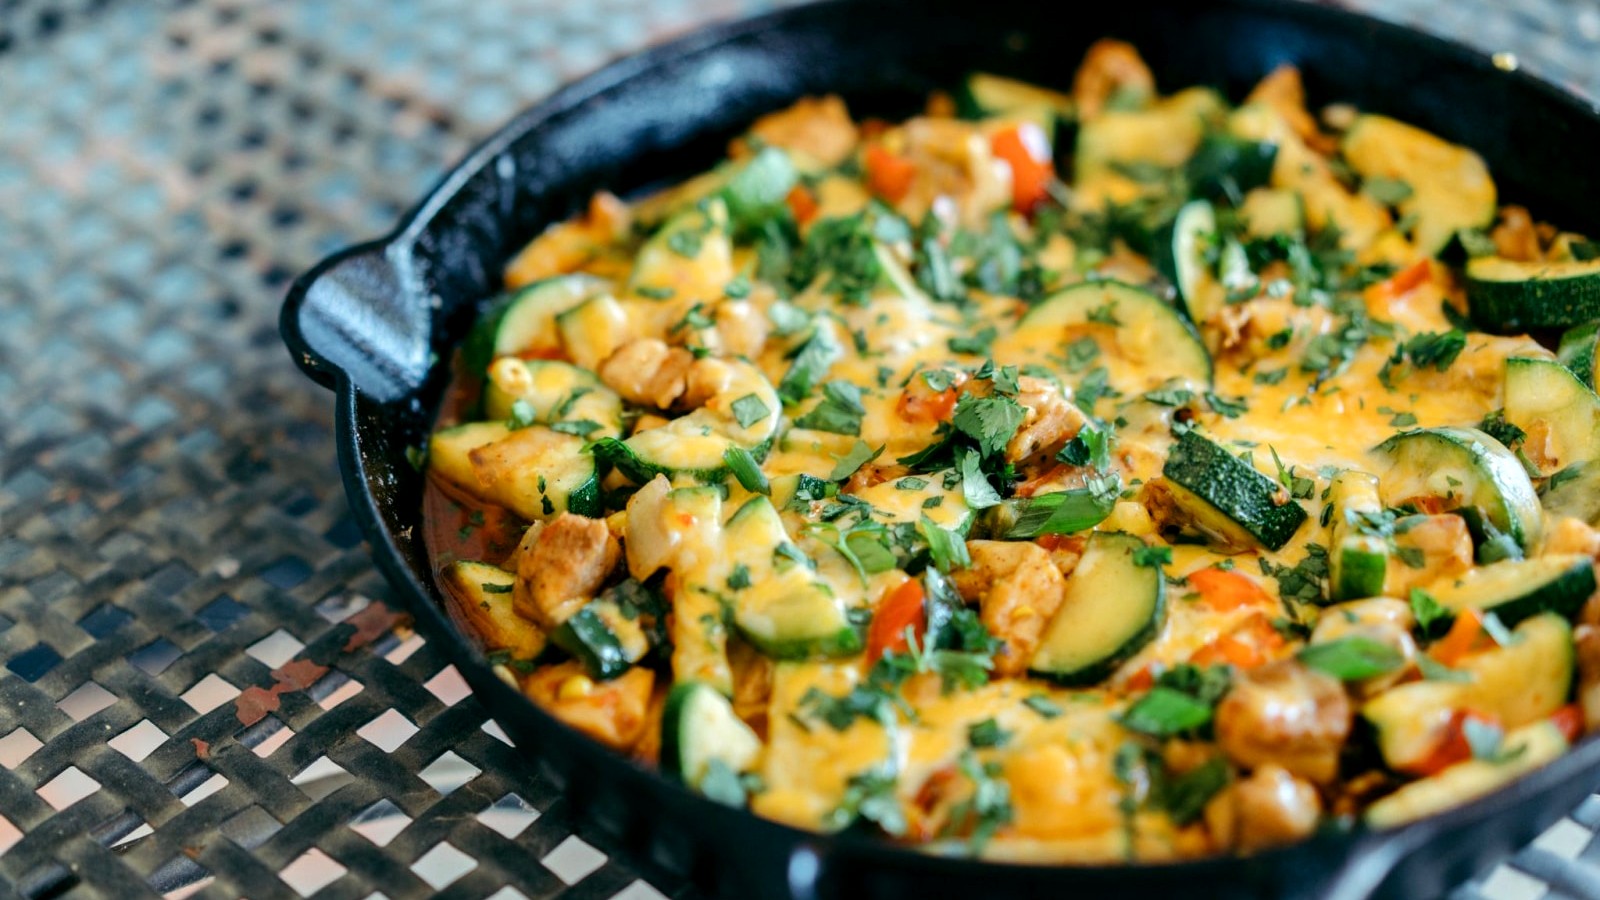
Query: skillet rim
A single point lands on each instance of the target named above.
(1354, 846)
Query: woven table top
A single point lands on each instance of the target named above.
(205, 687)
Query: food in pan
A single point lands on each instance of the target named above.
(1059, 476)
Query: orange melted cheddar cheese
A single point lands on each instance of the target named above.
(899, 477)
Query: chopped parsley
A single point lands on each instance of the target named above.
(840, 411)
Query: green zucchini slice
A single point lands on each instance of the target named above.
(1181, 255)
(689, 258)
(1546, 400)
(1358, 563)
(985, 96)
(1574, 492)
(1522, 751)
(1450, 187)
(1518, 684)
(523, 322)
(534, 472)
(1114, 605)
(786, 610)
(1512, 295)
(1577, 351)
(603, 638)
(565, 397)
(593, 330)
(1143, 340)
(1226, 498)
(1226, 166)
(744, 415)
(483, 595)
(1452, 468)
(699, 726)
(1269, 212)
(1516, 589)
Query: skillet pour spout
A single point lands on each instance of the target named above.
(377, 324)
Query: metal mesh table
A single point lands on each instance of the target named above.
(203, 686)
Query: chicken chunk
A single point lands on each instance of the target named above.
(1268, 809)
(1288, 715)
(1109, 68)
(1442, 544)
(615, 713)
(1017, 588)
(647, 372)
(818, 127)
(1384, 620)
(561, 564)
(1051, 419)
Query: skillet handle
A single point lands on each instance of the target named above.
(357, 317)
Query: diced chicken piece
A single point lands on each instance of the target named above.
(1569, 535)
(953, 160)
(1110, 67)
(1283, 90)
(650, 543)
(872, 475)
(566, 247)
(1442, 544)
(1516, 237)
(1017, 589)
(1051, 419)
(741, 328)
(1382, 619)
(818, 127)
(1288, 715)
(615, 713)
(560, 566)
(648, 372)
(1269, 808)
(1270, 324)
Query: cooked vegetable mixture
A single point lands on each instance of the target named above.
(1053, 476)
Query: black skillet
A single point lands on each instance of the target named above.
(373, 323)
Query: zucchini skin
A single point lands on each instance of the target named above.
(1577, 351)
(1115, 551)
(1534, 300)
(618, 455)
(1235, 489)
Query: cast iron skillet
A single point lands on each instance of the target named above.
(374, 322)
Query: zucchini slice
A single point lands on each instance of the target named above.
(603, 638)
(1143, 340)
(786, 611)
(744, 414)
(1163, 134)
(1358, 563)
(1512, 295)
(483, 595)
(534, 472)
(556, 394)
(1114, 606)
(1516, 589)
(1518, 684)
(698, 725)
(757, 187)
(1452, 468)
(1181, 255)
(1560, 415)
(1269, 212)
(1450, 185)
(1577, 351)
(523, 322)
(1575, 492)
(593, 330)
(1226, 167)
(1226, 498)
(1523, 750)
(984, 95)
(689, 258)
